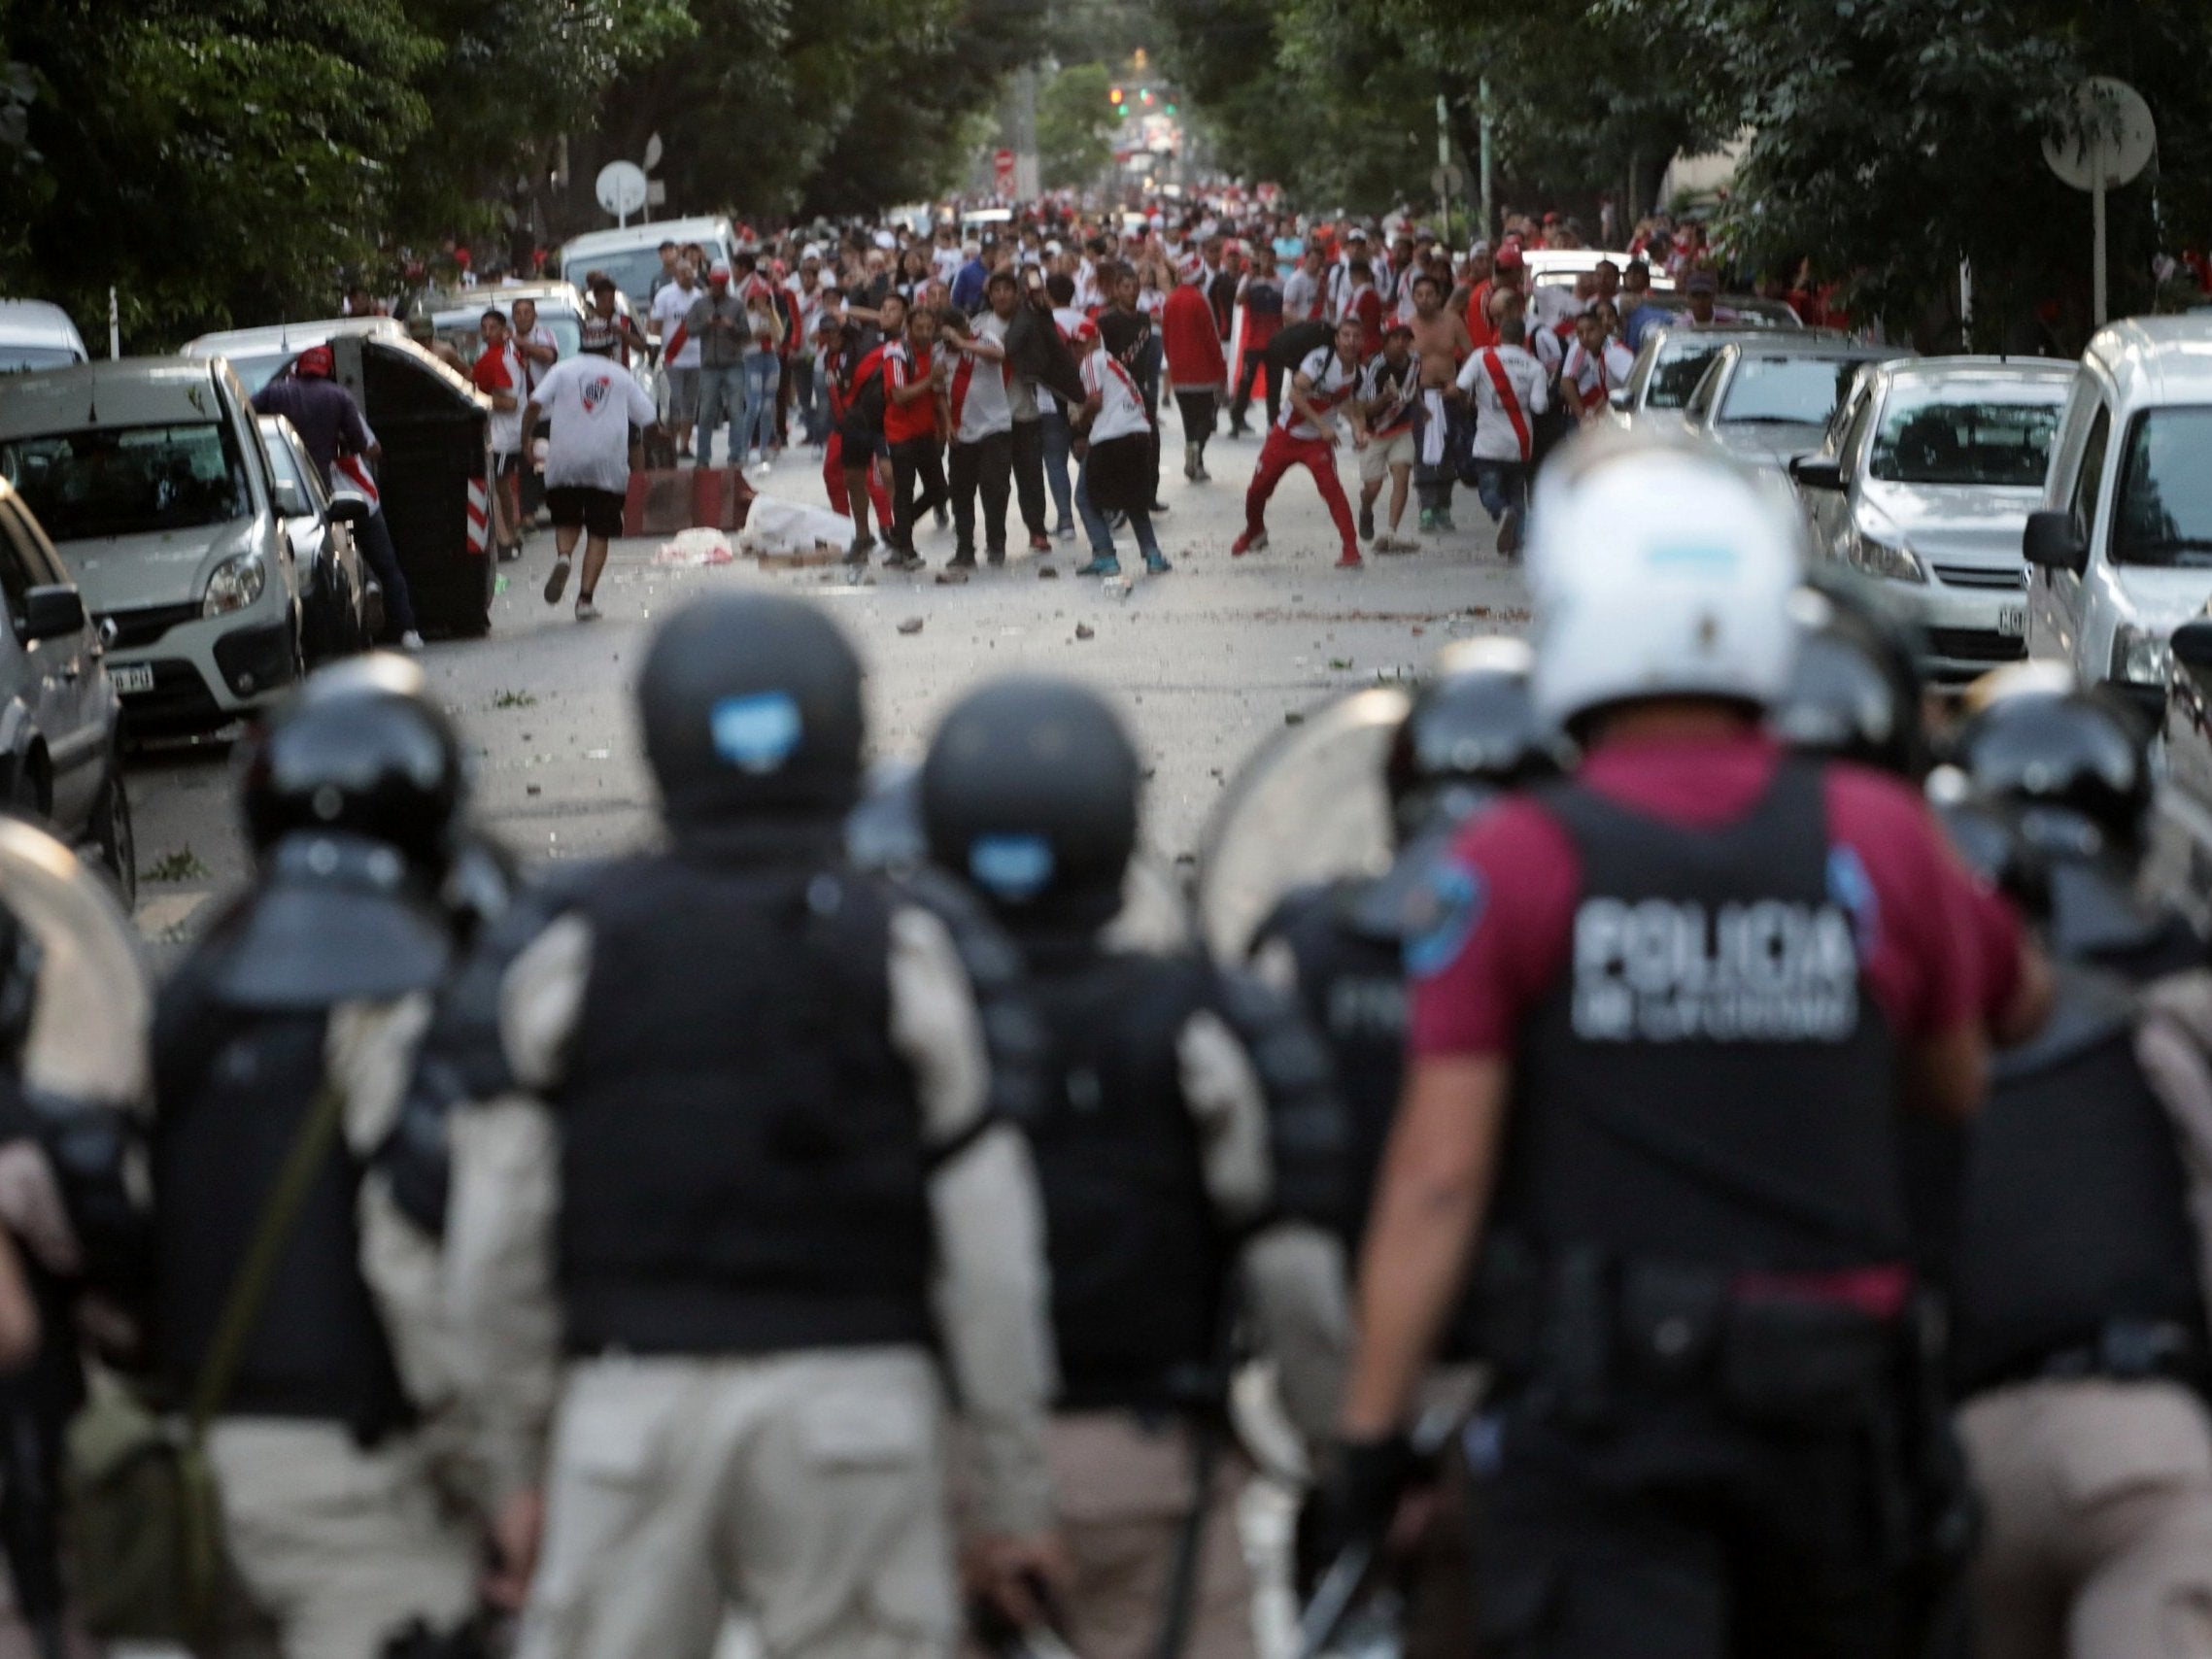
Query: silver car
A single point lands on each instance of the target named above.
(1769, 401)
(1671, 361)
(341, 606)
(1927, 490)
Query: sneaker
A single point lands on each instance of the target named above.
(863, 546)
(942, 518)
(1105, 565)
(1351, 560)
(1156, 564)
(586, 610)
(1509, 532)
(1157, 508)
(963, 559)
(1367, 521)
(1041, 544)
(1204, 476)
(904, 559)
(1444, 525)
(1428, 520)
(1064, 532)
(557, 583)
(1237, 430)
(410, 641)
(1248, 542)
(996, 556)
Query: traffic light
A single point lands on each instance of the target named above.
(1171, 108)
(1146, 95)
(1114, 95)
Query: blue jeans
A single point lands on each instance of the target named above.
(1059, 442)
(1096, 527)
(1502, 486)
(762, 374)
(806, 396)
(721, 399)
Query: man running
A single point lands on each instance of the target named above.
(1307, 436)
(593, 401)
(1597, 364)
(1507, 386)
(1440, 343)
(1389, 393)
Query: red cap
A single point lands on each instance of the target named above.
(315, 360)
(1509, 258)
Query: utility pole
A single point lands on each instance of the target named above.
(1482, 92)
(1442, 160)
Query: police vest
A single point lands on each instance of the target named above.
(1352, 984)
(1707, 1083)
(743, 1161)
(1140, 1261)
(235, 1087)
(2075, 1212)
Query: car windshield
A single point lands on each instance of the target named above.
(2164, 515)
(632, 269)
(21, 360)
(1676, 373)
(258, 370)
(127, 481)
(1929, 436)
(467, 336)
(1793, 391)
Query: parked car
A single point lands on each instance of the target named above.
(257, 355)
(61, 720)
(341, 606)
(1670, 364)
(36, 334)
(631, 255)
(1558, 267)
(150, 475)
(2122, 548)
(1937, 468)
(1770, 400)
(1731, 310)
(456, 315)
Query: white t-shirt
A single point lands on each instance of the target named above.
(1122, 411)
(981, 386)
(671, 306)
(1498, 435)
(540, 335)
(1333, 382)
(1599, 371)
(592, 403)
(1300, 293)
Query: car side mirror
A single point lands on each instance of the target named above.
(2051, 541)
(1818, 472)
(2192, 647)
(348, 510)
(291, 499)
(52, 612)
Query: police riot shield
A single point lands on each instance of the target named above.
(1310, 807)
(93, 1015)
(884, 832)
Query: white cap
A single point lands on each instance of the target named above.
(1658, 570)
(885, 240)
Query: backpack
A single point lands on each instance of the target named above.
(1293, 345)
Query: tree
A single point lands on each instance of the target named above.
(1074, 115)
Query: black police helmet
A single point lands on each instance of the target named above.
(1855, 691)
(2077, 759)
(1030, 793)
(1472, 730)
(751, 704)
(359, 750)
(1988, 835)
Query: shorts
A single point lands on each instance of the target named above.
(683, 393)
(1382, 454)
(860, 438)
(507, 463)
(598, 512)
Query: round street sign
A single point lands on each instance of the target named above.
(1447, 179)
(620, 187)
(2109, 139)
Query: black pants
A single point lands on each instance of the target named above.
(985, 465)
(373, 536)
(1197, 409)
(1029, 473)
(1679, 1533)
(1255, 365)
(915, 459)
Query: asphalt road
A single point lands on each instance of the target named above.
(1208, 662)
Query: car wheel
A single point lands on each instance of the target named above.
(113, 835)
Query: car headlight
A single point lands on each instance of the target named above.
(2146, 658)
(235, 583)
(1891, 560)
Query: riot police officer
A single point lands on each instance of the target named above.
(2082, 1343)
(1188, 1139)
(1664, 1013)
(278, 1047)
(747, 1181)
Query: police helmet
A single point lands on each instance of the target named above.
(751, 702)
(1472, 730)
(2077, 759)
(1987, 834)
(1855, 691)
(1030, 793)
(359, 750)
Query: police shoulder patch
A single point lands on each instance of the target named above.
(1442, 913)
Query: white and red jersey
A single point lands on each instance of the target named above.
(1333, 382)
(1508, 390)
(1595, 374)
(1548, 348)
(1391, 394)
(1121, 405)
(980, 404)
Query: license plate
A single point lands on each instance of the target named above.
(2012, 622)
(128, 677)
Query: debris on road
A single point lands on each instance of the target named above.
(912, 625)
(1085, 631)
(694, 548)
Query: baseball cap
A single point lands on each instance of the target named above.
(315, 360)
(718, 272)
(1509, 258)
(1399, 327)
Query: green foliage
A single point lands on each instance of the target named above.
(1074, 126)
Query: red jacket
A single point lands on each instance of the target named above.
(1186, 330)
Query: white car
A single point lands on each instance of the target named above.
(2122, 549)
(36, 334)
(632, 255)
(341, 605)
(257, 354)
(1925, 491)
(150, 476)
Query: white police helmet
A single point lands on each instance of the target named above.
(1658, 569)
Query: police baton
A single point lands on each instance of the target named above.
(1335, 1597)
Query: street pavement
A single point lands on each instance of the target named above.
(1208, 662)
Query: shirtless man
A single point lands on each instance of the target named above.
(1440, 343)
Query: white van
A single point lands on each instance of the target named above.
(632, 255)
(36, 334)
(2121, 554)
